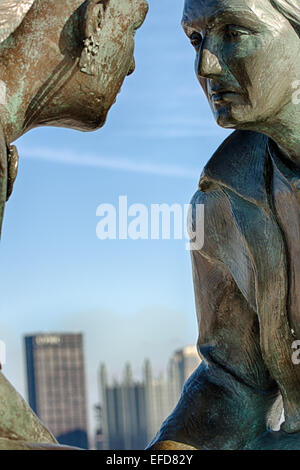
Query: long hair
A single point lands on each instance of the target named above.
(12, 13)
(291, 10)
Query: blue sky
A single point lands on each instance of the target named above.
(131, 299)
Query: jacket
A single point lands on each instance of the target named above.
(247, 301)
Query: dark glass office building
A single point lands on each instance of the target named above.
(56, 385)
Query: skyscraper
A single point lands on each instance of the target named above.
(157, 400)
(131, 411)
(181, 365)
(56, 385)
(124, 412)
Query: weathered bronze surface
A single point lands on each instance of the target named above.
(247, 274)
(62, 64)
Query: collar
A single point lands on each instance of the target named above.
(240, 164)
(284, 166)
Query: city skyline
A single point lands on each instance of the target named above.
(134, 407)
(131, 411)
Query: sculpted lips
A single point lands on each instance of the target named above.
(132, 67)
(224, 95)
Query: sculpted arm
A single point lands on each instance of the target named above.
(211, 413)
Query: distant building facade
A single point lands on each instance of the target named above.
(181, 366)
(132, 412)
(157, 400)
(123, 412)
(99, 443)
(56, 385)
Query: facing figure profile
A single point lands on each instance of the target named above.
(247, 275)
(62, 63)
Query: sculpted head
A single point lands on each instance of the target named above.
(247, 57)
(63, 62)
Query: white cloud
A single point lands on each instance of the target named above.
(170, 133)
(114, 163)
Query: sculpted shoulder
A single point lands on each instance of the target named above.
(236, 172)
(233, 191)
(239, 165)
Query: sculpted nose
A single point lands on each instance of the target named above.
(143, 8)
(208, 65)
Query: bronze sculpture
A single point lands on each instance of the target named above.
(247, 274)
(62, 64)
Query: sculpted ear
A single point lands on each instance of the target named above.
(92, 19)
(94, 13)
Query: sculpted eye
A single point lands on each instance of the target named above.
(235, 32)
(196, 40)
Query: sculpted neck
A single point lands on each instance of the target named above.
(25, 106)
(284, 129)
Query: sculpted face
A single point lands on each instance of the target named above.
(114, 27)
(63, 62)
(119, 22)
(247, 58)
(83, 52)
